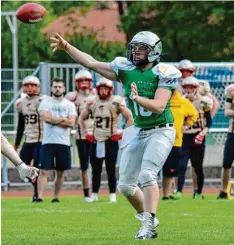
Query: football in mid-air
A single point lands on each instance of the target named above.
(31, 13)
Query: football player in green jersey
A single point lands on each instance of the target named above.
(148, 86)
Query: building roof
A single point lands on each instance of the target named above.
(102, 21)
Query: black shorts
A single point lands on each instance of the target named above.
(171, 166)
(29, 152)
(228, 154)
(55, 156)
(84, 150)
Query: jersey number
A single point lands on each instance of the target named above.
(142, 111)
(30, 119)
(102, 122)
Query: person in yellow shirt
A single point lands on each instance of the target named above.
(185, 115)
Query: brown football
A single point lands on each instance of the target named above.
(31, 13)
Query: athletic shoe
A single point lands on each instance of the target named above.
(165, 198)
(87, 199)
(34, 199)
(140, 217)
(222, 195)
(39, 200)
(175, 196)
(55, 200)
(94, 197)
(198, 196)
(112, 198)
(147, 230)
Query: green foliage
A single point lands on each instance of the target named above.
(34, 46)
(74, 222)
(200, 31)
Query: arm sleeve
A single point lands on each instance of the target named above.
(20, 129)
(208, 119)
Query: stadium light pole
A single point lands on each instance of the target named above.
(12, 22)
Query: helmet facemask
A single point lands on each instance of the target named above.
(190, 91)
(84, 85)
(147, 43)
(104, 91)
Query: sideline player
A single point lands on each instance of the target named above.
(148, 86)
(193, 146)
(185, 115)
(105, 109)
(30, 124)
(83, 81)
(228, 156)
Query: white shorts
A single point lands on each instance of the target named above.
(148, 150)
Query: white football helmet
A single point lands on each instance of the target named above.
(192, 82)
(229, 91)
(186, 65)
(83, 80)
(103, 82)
(149, 40)
(34, 89)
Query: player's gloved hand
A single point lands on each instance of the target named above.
(90, 138)
(27, 172)
(58, 43)
(199, 139)
(16, 147)
(116, 137)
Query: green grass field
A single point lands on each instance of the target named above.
(73, 222)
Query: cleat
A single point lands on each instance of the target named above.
(55, 200)
(175, 196)
(147, 230)
(87, 199)
(39, 200)
(198, 196)
(34, 199)
(140, 217)
(222, 195)
(94, 197)
(112, 198)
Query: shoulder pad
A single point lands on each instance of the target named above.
(206, 103)
(71, 96)
(204, 88)
(121, 63)
(169, 75)
(229, 91)
(118, 101)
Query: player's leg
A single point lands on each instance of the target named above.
(47, 155)
(129, 169)
(8, 151)
(228, 158)
(84, 147)
(183, 162)
(63, 163)
(197, 157)
(36, 161)
(96, 164)
(110, 161)
(170, 170)
(157, 149)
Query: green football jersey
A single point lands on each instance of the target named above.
(159, 76)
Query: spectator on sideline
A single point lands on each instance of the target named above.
(24, 171)
(193, 146)
(83, 81)
(30, 124)
(59, 115)
(105, 109)
(185, 115)
(228, 154)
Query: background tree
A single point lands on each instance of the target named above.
(200, 31)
